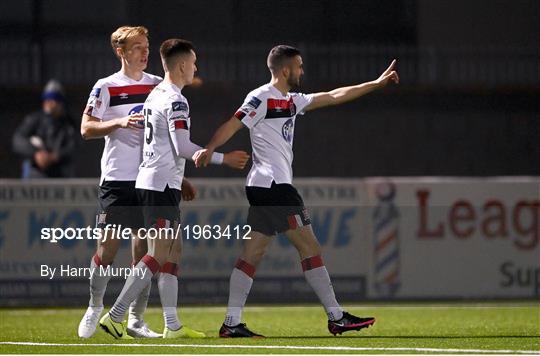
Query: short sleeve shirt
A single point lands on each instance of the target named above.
(113, 97)
(270, 117)
(166, 110)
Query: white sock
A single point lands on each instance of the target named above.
(98, 283)
(138, 306)
(168, 294)
(318, 278)
(239, 287)
(133, 287)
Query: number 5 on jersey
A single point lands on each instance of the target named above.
(149, 128)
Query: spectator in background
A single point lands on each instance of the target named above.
(47, 138)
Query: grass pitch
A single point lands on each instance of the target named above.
(400, 328)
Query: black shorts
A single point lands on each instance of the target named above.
(118, 204)
(158, 206)
(276, 209)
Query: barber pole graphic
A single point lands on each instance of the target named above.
(386, 241)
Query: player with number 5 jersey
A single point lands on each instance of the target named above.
(167, 144)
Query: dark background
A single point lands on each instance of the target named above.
(468, 103)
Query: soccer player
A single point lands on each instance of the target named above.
(270, 112)
(166, 146)
(114, 112)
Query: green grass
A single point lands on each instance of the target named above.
(486, 326)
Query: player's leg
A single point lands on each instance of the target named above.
(110, 196)
(315, 272)
(309, 250)
(148, 266)
(136, 325)
(263, 218)
(160, 213)
(168, 286)
(104, 256)
(168, 292)
(167, 208)
(296, 224)
(139, 248)
(240, 284)
(113, 198)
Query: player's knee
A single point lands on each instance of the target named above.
(305, 251)
(138, 254)
(257, 257)
(162, 250)
(176, 252)
(106, 255)
(306, 243)
(139, 250)
(313, 249)
(160, 258)
(254, 255)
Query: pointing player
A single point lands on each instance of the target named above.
(113, 112)
(269, 112)
(167, 144)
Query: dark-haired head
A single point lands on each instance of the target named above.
(286, 61)
(280, 55)
(178, 57)
(174, 49)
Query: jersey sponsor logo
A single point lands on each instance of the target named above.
(95, 92)
(287, 130)
(280, 104)
(254, 102)
(93, 102)
(136, 110)
(280, 108)
(129, 94)
(179, 106)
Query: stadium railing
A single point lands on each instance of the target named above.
(81, 62)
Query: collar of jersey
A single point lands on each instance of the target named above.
(277, 91)
(130, 79)
(172, 86)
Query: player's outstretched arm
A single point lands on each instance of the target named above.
(222, 135)
(345, 94)
(184, 148)
(187, 149)
(92, 127)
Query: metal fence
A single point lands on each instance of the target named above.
(85, 60)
